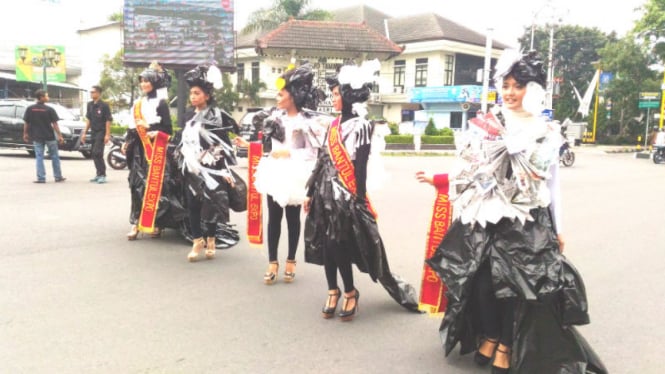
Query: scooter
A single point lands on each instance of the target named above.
(658, 154)
(115, 158)
(566, 155)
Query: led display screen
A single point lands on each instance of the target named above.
(179, 33)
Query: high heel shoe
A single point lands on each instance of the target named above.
(328, 310)
(211, 248)
(503, 350)
(197, 246)
(156, 233)
(289, 275)
(270, 276)
(347, 315)
(133, 233)
(481, 359)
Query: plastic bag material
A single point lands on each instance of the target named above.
(543, 345)
(336, 216)
(525, 264)
(238, 193)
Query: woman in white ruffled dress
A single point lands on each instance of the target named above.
(292, 134)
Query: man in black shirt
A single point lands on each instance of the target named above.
(98, 118)
(41, 127)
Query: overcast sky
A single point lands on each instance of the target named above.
(52, 21)
(507, 18)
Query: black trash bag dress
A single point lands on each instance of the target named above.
(212, 126)
(337, 216)
(522, 251)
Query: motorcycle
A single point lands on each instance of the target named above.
(658, 155)
(566, 155)
(115, 158)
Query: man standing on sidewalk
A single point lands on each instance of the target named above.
(98, 118)
(41, 127)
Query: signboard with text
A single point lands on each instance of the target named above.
(649, 100)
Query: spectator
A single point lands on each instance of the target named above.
(41, 127)
(98, 118)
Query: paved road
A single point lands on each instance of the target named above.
(77, 297)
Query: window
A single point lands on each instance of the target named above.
(241, 74)
(375, 84)
(399, 72)
(421, 72)
(448, 65)
(255, 72)
(7, 111)
(456, 120)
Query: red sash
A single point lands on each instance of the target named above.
(343, 163)
(155, 154)
(254, 202)
(432, 290)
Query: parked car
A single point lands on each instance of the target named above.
(247, 129)
(11, 127)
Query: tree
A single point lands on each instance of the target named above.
(119, 83)
(651, 28)
(575, 50)
(631, 75)
(115, 17)
(251, 89)
(227, 97)
(280, 12)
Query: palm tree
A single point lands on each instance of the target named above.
(251, 89)
(281, 10)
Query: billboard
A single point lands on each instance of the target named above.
(31, 60)
(179, 33)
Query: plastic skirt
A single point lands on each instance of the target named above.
(526, 264)
(283, 178)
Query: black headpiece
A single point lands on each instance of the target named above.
(156, 75)
(299, 83)
(524, 68)
(199, 77)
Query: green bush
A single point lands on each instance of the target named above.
(447, 131)
(399, 139)
(431, 129)
(437, 139)
(118, 129)
(394, 128)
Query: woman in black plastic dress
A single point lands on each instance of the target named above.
(204, 157)
(513, 298)
(341, 228)
(151, 125)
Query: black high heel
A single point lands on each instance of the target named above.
(498, 370)
(479, 358)
(329, 311)
(347, 315)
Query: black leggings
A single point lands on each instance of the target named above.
(195, 205)
(275, 212)
(496, 315)
(337, 257)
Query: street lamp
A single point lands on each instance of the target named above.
(50, 57)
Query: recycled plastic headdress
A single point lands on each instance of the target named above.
(156, 75)
(208, 77)
(298, 81)
(527, 69)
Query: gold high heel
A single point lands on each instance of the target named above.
(210, 248)
(290, 275)
(198, 245)
(133, 233)
(270, 276)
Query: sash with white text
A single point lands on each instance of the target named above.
(155, 154)
(432, 290)
(343, 162)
